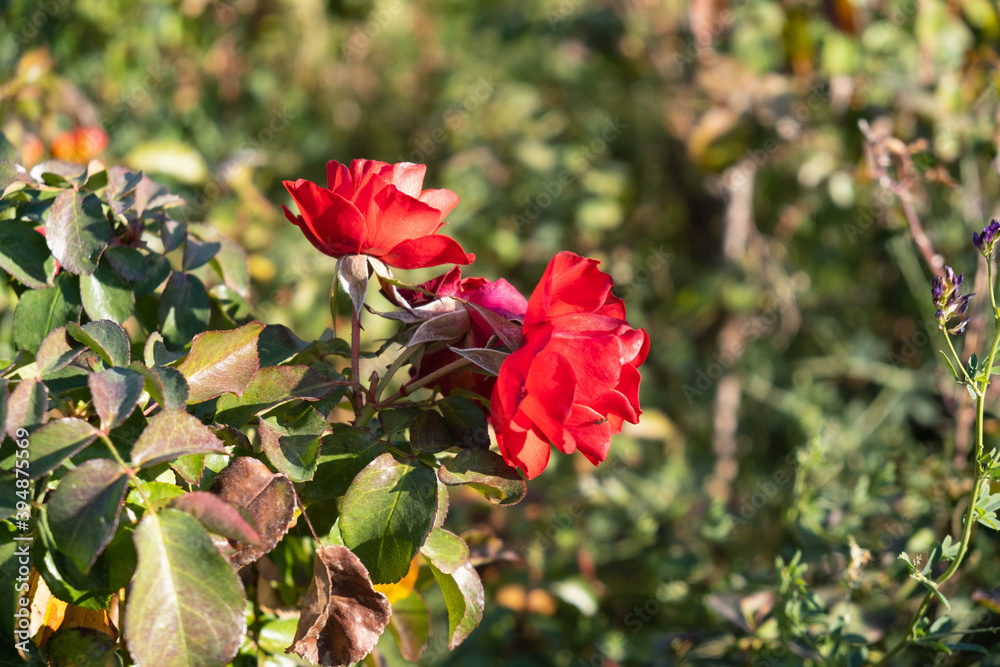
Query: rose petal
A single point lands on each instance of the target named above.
(407, 177)
(592, 433)
(430, 250)
(441, 199)
(522, 448)
(341, 227)
(570, 284)
(338, 179)
(399, 217)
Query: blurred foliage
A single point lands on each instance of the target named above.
(709, 153)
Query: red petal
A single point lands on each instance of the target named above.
(341, 227)
(550, 388)
(407, 177)
(570, 284)
(399, 217)
(297, 221)
(443, 200)
(430, 250)
(338, 179)
(311, 199)
(592, 433)
(522, 448)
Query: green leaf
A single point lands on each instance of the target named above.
(56, 441)
(155, 353)
(166, 385)
(293, 448)
(221, 362)
(343, 454)
(445, 550)
(27, 406)
(77, 231)
(105, 296)
(157, 270)
(184, 310)
(24, 255)
(218, 516)
(159, 493)
(463, 595)
(190, 467)
(231, 263)
(232, 306)
(397, 419)
(56, 352)
(270, 387)
(82, 647)
(121, 183)
(410, 625)
(186, 607)
(40, 311)
(106, 338)
(198, 253)
(170, 434)
(387, 512)
(277, 343)
(486, 472)
(429, 433)
(83, 510)
(115, 393)
(466, 421)
(127, 262)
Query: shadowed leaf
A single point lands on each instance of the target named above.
(115, 393)
(466, 421)
(221, 362)
(268, 497)
(486, 472)
(57, 441)
(127, 262)
(488, 360)
(430, 434)
(293, 447)
(23, 254)
(104, 337)
(27, 406)
(165, 384)
(342, 617)
(387, 512)
(83, 510)
(170, 434)
(343, 454)
(184, 310)
(82, 647)
(186, 606)
(218, 516)
(410, 625)
(40, 311)
(56, 352)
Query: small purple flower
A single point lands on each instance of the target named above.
(947, 296)
(987, 239)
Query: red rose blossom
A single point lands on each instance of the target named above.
(576, 378)
(377, 209)
(498, 296)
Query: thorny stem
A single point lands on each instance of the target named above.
(970, 514)
(356, 396)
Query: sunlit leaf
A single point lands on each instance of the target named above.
(173, 433)
(486, 472)
(77, 231)
(115, 393)
(221, 361)
(186, 605)
(293, 447)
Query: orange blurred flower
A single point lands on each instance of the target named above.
(80, 145)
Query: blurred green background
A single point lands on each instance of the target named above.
(709, 154)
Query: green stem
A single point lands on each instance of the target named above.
(403, 357)
(958, 360)
(989, 276)
(456, 365)
(970, 514)
(356, 395)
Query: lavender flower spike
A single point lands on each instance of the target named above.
(950, 302)
(985, 241)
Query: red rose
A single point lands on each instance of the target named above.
(497, 296)
(377, 209)
(576, 378)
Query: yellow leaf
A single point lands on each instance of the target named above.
(401, 588)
